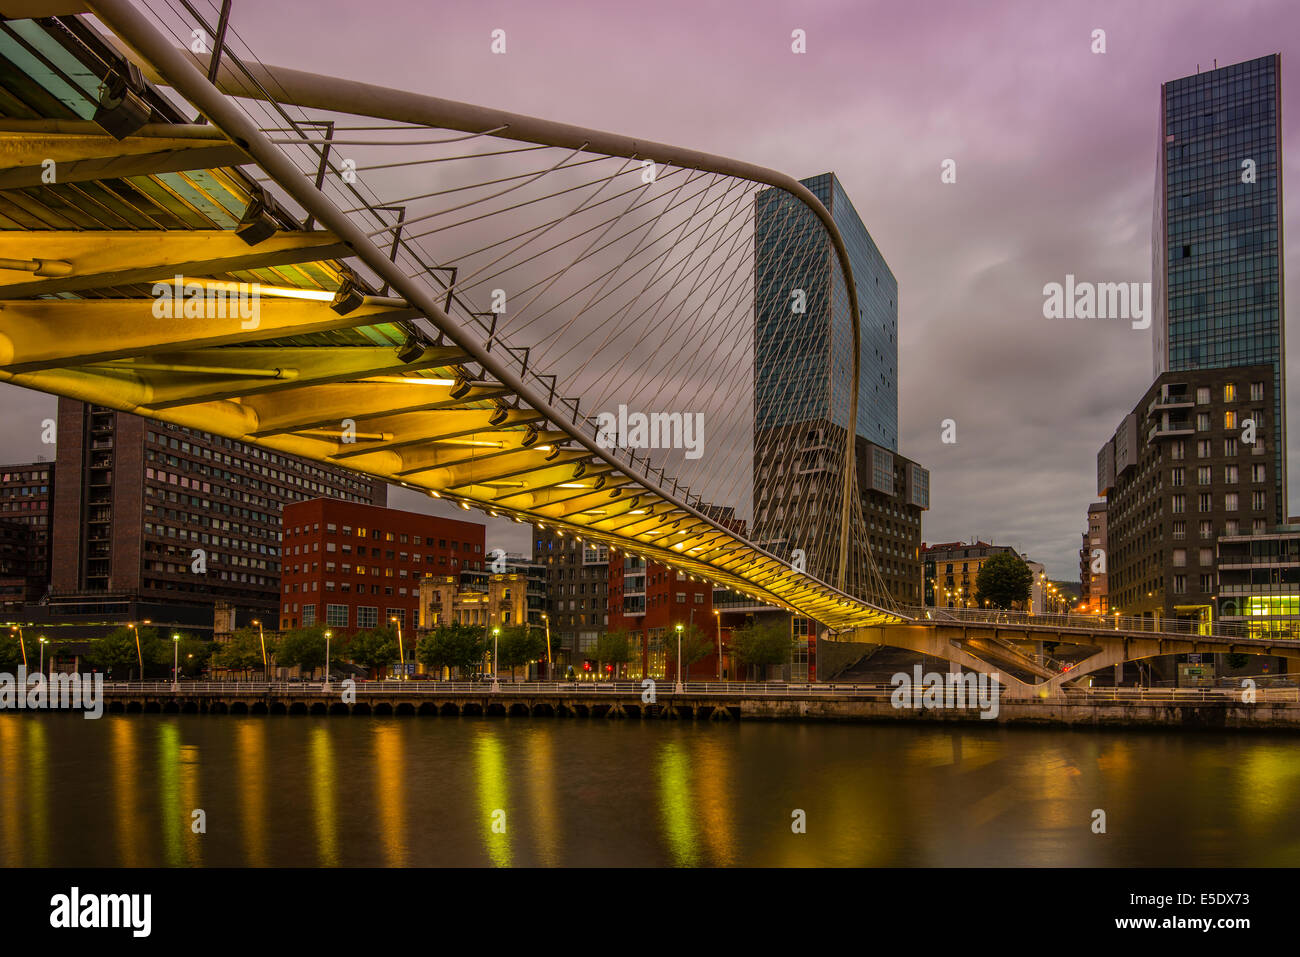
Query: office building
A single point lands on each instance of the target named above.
(802, 387)
(25, 493)
(1092, 562)
(1217, 245)
(577, 589)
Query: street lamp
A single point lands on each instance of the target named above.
(401, 654)
(496, 682)
(326, 685)
(42, 654)
(679, 689)
(550, 666)
(138, 653)
(718, 617)
(176, 664)
(266, 670)
(21, 644)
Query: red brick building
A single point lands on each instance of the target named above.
(351, 566)
(649, 601)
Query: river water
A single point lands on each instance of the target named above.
(398, 792)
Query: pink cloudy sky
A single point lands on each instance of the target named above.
(1055, 152)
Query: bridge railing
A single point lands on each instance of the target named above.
(1099, 623)
(663, 690)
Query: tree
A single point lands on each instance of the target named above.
(372, 649)
(613, 648)
(242, 652)
(1003, 580)
(457, 647)
(117, 649)
(518, 645)
(762, 644)
(303, 648)
(696, 646)
(11, 652)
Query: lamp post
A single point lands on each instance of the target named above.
(401, 654)
(326, 685)
(496, 682)
(176, 663)
(679, 689)
(266, 670)
(549, 664)
(21, 644)
(718, 617)
(42, 654)
(138, 653)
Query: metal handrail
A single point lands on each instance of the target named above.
(1158, 626)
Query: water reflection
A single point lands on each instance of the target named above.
(396, 792)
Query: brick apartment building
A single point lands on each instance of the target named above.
(649, 601)
(351, 566)
(25, 493)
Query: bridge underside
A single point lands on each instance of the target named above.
(127, 273)
(988, 649)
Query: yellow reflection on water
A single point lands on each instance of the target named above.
(676, 805)
(390, 792)
(322, 780)
(126, 791)
(493, 792)
(11, 825)
(190, 801)
(541, 793)
(169, 803)
(717, 798)
(38, 792)
(250, 754)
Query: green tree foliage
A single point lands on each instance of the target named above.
(372, 648)
(696, 646)
(242, 652)
(762, 644)
(458, 647)
(1003, 580)
(520, 644)
(303, 648)
(11, 652)
(116, 651)
(613, 648)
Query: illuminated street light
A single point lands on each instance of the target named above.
(42, 654)
(326, 685)
(401, 654)
(679, 689)
(496, 682)
(139, 655)
(21, 644)
(266, 673)
(176, 665)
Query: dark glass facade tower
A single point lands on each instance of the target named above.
(1217, 234)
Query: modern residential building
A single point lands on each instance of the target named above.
(1178, 473)
(577, 589)
(802, 384)
(349, 565)
(1217, 245)
(25, 494)
(649, 600)
(1259, 581)
(1092, 562)
(152, 520)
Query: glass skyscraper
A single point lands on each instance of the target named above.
(1217, 232)
(804, 360)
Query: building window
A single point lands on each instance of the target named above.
(1207, 529)
(1177, 450)
(1179, 504)
(1257, 392)
(1203, 475)
(336, 616)
(1207, 583)
(308, 615)
(1202, 421)
(1229, 392)
(367, 616)
(1231, 527)
(1205, 502)
(1257, 501)
(399, 614)
(1180, 557)
(1176, 478)
(1230, 419)
(1203, 449)
(1203, 395)
(1180, 529)
(1207, 557)
(1230, 446)
(1257, 473)
(1230, 502)
(1180, 584)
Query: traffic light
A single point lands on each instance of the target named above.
(586, 666)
